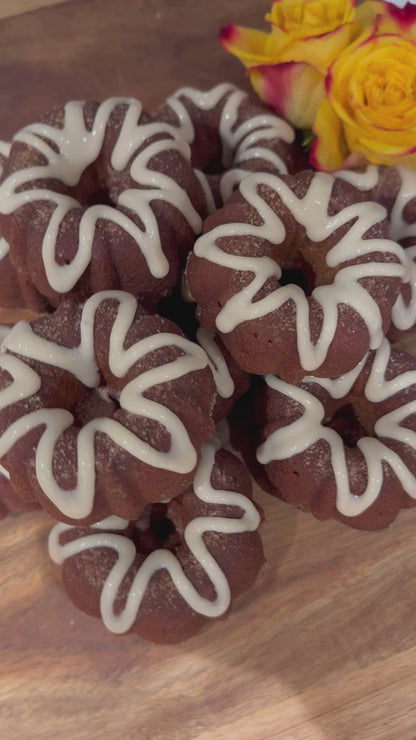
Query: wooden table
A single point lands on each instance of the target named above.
(325, 644)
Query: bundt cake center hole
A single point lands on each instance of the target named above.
(99, 197)
(347, 424)
(215, 167)
(155, 530)
(161, 527)
(109, 396)
(92, 190)
(102, 402)
(300, 274)
(114, 401)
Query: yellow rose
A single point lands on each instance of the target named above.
(312, 31)
(287, 66)
(304, 20)
(370, 109)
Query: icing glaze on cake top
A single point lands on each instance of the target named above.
(309, 427)
(312, 213)
(81, 362)
(241, 141)
(66, 154)
(162, 558)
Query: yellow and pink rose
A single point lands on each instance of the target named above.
(370, 107)
(293, 58)
(347, 72)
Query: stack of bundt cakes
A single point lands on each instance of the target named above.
(184, 268)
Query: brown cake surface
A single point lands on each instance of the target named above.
(178, 565)
(231, 381)
(16, 289)
(343, 448)
(395, 189)
(103, 408)
(230, 134)
(296, 275)
(10, 502)
(96, 197)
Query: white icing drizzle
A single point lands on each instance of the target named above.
(80, 361)
(365, 179)
(311, 212)
(209, 198)
(164, 559)
(4, 248)
(239, 142)
(4, 330)
(77, 149)
(4, 148)
(403, 316)
(216, 360)
(4, 473)
(369, 179)
(308, 429)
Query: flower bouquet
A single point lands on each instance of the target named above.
(343, 73)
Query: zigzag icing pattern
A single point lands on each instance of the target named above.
(403, 316)
(309, 428)
(311, 212)
(70, 151)
(239, 142)
(80, 361)
(5, 147)
(222, 378)
(164, 559)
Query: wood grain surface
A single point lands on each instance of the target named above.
(324, 646)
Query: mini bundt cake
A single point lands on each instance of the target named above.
(97, 197)
(230, 134)
(178, 565)
(296, 276)
(103, 408)
(343, 448)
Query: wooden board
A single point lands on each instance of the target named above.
(324, 647)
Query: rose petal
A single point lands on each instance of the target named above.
(249, 46)
(310, 18)
(347, 74)
(370, 89)
(374, 148)
(321, 51)
(391, 19)
(294, 90)
(255, 48)
(329, 150)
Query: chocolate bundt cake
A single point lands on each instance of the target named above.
(230, 134)
(103, 408)
(343, 448)
(97, 197)
(296, 275)
(180, 564)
